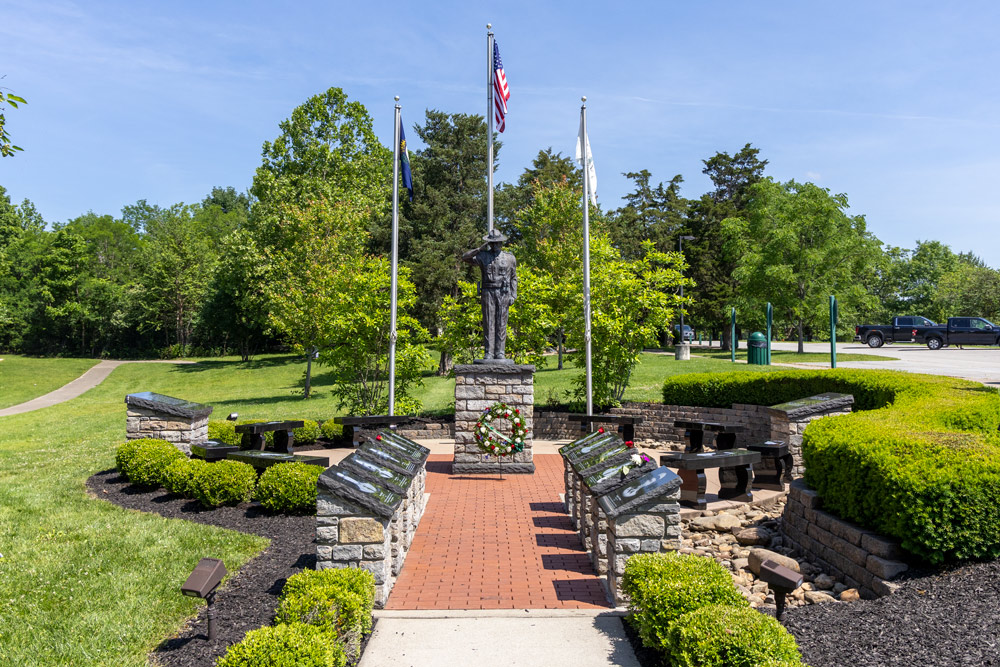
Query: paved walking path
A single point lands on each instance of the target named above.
(70, 390)
(486, 543)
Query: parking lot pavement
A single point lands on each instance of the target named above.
(981, 364)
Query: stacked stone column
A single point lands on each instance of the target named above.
(650, 527)
(151, 415)
(478, 387)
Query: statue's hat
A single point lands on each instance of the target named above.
(495, 236)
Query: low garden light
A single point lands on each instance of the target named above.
(782, 580)
(233, 416)
(202, 582)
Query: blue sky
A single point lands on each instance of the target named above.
(893, 103)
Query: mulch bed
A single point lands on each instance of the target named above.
(249, 598)
(945, 619)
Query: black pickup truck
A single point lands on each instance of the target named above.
(902, 330)
(962, 331)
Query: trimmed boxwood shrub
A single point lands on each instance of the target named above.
(223, 483)
(287, 645)
(331, 430)
(144, 462)
(179, 476)
(224, 431)
(338, 600)
(289, 487)
(663, 587)
(307, 433)
(920, 461)
(726, 636)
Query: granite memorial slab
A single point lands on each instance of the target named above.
(592, 448)
(396, 482)
(408, 448)
(645, 489)
(374, 452)
(567, 450)
(608, 479)
(149, 400)
(212, 450)
(619, 454)
(360, 491)
(803, 407)
(263, 460)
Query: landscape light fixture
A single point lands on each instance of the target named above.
(233, 416)
(205, 578)
(782, 580)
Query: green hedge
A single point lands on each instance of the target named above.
(727, 636)
(663, 587)
(225, 432)
(339, 601)
(331, 430)
(289, 487)
(223, 483)
(144, 462)
(287, 645)
(919, 461)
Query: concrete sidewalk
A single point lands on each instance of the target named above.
(499, 638)
(71, 390)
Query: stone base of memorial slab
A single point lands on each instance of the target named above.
(478, 387)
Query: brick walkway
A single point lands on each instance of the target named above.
(487, 544)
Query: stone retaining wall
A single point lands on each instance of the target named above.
(860, 558)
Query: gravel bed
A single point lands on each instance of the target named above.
(945, 619)
(249, 598)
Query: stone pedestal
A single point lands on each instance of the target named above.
(477, 388)
(789, 421)
(151, 415)
(682, 351)
(654, 527)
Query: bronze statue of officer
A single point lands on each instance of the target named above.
(498, 290)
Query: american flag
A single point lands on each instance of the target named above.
(501, 92)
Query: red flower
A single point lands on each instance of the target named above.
(600, 430)
(629, 444)
(378, 437)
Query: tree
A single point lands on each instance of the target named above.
(631, 302)
(552, 244)
(971, 289)
(327, 151)
(715, 289)
(654, 214)
(448, 213)
(929, 262)
(7, 148)
(795, 247)
(546, 170)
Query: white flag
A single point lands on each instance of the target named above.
(583, 140)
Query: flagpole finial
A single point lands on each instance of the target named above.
(489, 26)
(583, 99)
(396, 98)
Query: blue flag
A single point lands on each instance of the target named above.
(404, 160)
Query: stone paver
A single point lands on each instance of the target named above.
(490, 544)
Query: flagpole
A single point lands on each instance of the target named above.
(586, 255)
(489, 115)
(395, 260)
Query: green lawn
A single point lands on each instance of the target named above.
(789, 357)
(25, 378)
(85, 582)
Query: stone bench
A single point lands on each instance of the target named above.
(694, 431)
(775, 470)
(626, 423)
(692, 468)
(284, 435)
(263, 460)
(359, 425)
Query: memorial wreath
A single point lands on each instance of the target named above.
(492, 441)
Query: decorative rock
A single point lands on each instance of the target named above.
(758, 556)
(850, 595)
(720, 522)
(755, 536)
(818, 597)
(824, 582)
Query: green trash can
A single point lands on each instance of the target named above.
(757, 349)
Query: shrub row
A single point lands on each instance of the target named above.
(687, 608)
(285, 487)
(225, 431)
(321, 619)
(920, 461)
